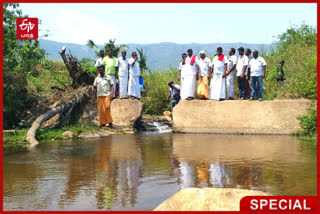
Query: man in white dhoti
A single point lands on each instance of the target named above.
(232, 63)
(122, 71)
(217, 84)
(134, 73)
(188, 75)
(99, 61)
(109, 62)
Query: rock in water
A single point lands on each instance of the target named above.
(93, 134)
(126, 112)
(207, 199)
(67, 134)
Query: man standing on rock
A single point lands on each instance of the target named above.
(122, 71)
(218, 81)
(232, 63)
(184, 55)
(99, 61)
(258, 70)
(109, 62)
(103, 89)
(242, 64)
(247, 52)
(189, 75)
(134, 74)
(204, 72)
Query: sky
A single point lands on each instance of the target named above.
(177, 23)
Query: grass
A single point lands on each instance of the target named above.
(16, 141)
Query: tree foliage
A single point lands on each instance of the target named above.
(110, 45)
(142, 60)
(19, 61)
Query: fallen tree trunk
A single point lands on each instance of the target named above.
(66, 111)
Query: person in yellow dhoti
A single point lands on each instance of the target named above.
(103, 89)
(204, 68)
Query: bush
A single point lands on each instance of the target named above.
(156, 91)
(308, 123)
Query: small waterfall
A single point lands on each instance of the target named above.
(162, 128)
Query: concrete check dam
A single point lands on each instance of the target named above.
(239, 117)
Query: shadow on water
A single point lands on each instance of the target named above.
(138, 172)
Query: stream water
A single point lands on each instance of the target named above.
(138, 172)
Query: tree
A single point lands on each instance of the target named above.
(142, 60)
(19, 60)
(110, 45)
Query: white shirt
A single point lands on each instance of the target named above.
(218, 66)
(256, 66)
(188, 69)
(134, 70)
(103, 85)
(204, 65)
(231, 62)
(242, 61)
(173, 91)
(122, 64)
(98, 62)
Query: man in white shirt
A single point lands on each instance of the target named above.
(242, 64)
(258, 70)
(134, 74)
(184, 55)
(217, 84)
(204, 71)
(230, 75)
(99, 61)
(188, 75)
(103, 89)
(122, 71)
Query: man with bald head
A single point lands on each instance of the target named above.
(204, 69)
(258, 71)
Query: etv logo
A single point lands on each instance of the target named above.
(27, 28)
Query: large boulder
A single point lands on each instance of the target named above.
(125, 112)
(207, 199)
(239, 116)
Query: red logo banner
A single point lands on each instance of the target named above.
(27, 28)
(279, 203)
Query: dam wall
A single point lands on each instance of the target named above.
(239, 116)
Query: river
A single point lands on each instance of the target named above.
(138, 172)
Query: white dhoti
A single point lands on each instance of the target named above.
(230, 85)
(217, 87)
(123, 86)
(113, 78)
(134, 87)
(188, 84)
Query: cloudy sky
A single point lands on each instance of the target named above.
(178, 23)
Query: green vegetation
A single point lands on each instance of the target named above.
(298, 48)
(156, 91)
(16, 140)
(309, 124)
(20, 59)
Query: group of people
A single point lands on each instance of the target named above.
(110, 68)
(222, 72)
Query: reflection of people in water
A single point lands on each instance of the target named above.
(219, 175)
(187, 175)
(202, 175)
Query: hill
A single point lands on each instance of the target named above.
(160, 56)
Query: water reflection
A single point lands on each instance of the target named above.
(137, 172)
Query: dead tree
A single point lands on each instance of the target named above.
(66, 109)
(78, 75)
